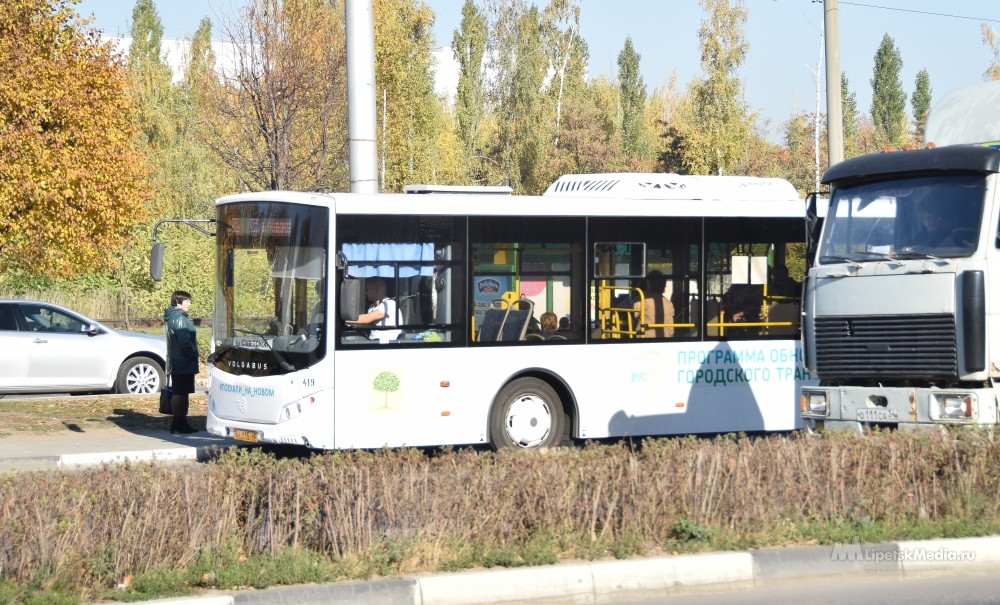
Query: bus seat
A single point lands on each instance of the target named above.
(351, 299)
(712, 312)
(515, 325)
(783, 312)
(493, 320)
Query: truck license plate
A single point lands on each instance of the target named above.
(872, 415)
(241, 435)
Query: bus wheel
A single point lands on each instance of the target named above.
(527, 414)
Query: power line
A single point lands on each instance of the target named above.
(910, 10)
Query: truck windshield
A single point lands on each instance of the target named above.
(270, 287)
(935, 216)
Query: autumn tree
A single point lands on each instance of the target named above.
(991, 40)
(633, 97)
(888, 97)
(721, 122)
(279, 119)
(920, 101)
(71, 175)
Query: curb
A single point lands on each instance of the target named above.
(96, 458)
(633, 579)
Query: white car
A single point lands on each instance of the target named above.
(45, 348)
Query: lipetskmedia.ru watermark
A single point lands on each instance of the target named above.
(855, 551)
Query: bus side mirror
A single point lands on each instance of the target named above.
(156, 261)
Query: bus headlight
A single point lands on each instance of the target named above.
(290, 411)
(955, 406)
(814, 403)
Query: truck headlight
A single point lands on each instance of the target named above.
(956, 406)
(814, 403)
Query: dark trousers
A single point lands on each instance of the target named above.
(179, 404)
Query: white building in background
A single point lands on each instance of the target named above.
(176, 53)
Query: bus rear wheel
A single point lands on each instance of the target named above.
(527, 414)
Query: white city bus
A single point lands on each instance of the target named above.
(468, 273)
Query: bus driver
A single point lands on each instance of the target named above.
(381, 312)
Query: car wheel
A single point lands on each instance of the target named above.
(139, 376)
(527, 414)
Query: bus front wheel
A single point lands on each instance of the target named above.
(527, 414)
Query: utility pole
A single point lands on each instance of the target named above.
(834, 108)
(360, 35)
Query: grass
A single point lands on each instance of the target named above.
(72, 413)
(251, 520)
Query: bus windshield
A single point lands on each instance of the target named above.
(916, 217)
(270, 297)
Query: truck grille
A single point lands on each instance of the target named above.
(886, 346)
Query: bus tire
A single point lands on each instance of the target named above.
(527, 414)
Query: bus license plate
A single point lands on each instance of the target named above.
(870, 415)
(241, 435)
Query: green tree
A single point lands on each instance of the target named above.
(633, 97)
(72, 177)
(517, 64)
(469, 44)
(408, 109)
(187, 175)
(563, 45)
(888, 98)
(920, 101)
(720, 120)
(849, 114)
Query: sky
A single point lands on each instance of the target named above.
(780, 72)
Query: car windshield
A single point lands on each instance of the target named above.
(917, 217)
(269, 308)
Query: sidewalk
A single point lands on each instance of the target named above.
(94, 446)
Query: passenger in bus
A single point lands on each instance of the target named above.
(381, 312)
(549, 325)
(742, 302)
(782, 283)
(656, 309)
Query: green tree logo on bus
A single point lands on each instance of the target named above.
(386, 382)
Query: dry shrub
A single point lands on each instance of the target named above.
(420, 511)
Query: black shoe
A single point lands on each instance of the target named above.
(186, 429)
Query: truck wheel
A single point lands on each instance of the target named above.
(139, 376)
(527, 414)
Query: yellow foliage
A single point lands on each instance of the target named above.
(71, 177)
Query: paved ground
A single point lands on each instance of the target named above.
(593, 582)
(92, 446)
